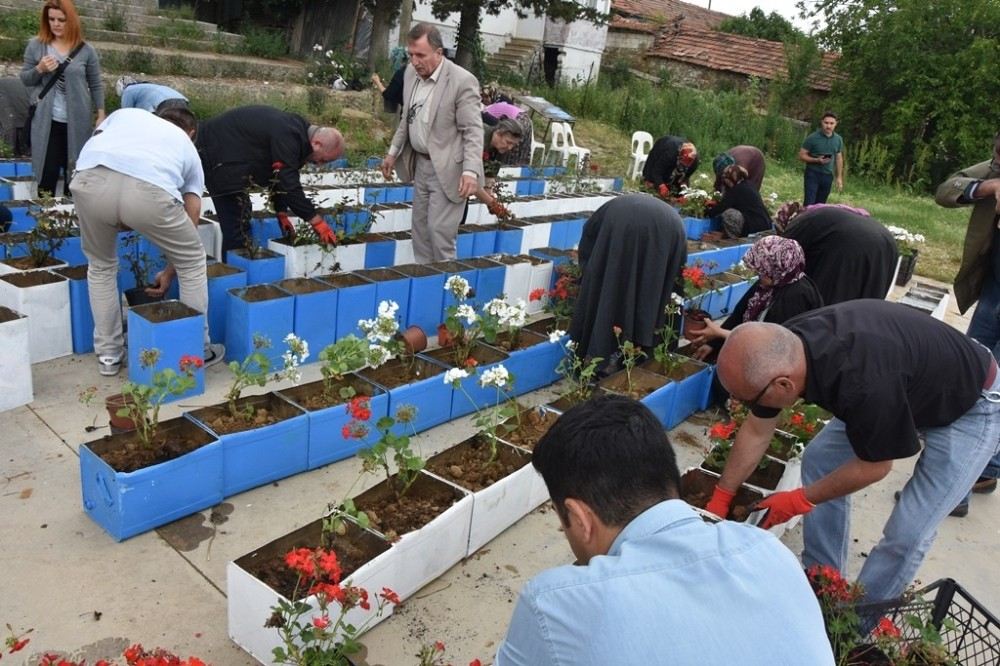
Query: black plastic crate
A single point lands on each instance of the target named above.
(974, 640)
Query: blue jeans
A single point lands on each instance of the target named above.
(985, 329)
(817, 186)
(952, 457)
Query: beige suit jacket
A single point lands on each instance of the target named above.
(455, 141)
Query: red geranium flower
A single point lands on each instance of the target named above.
(390, 596)
(329, 564)
(301, 560)
(321, 622)
(439, 646)
(471, 362)
(617, 330)
(537, 294)
(886, 628)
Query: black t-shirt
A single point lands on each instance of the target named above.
(887, 371)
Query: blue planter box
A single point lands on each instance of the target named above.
(522, 187)
(535, 366)
(390, 286)
(712, 261)
(71, 252)
(342, 163)
(373, 162)
(380, 252)
(375, 195)
(618, 184)
(251, 458)
(574, 232)
(315, 313)
(692, 394)
(555, 255)
(553, 171)
(696, 226)
(509, 239)
(484, 239)
(465, 243)
(557, 234)
(737, 291)
(221, 278)
(263, 229)
(355, 301)
(173, 328)
(269, 267)
(409, 194)
(395, 194)
(353, 221)
(21, 220)
(426, 296)
(8, 168)
(536, 187)
(81, 317)
(130, 503)
(430, 396)
(6, 191)
(259, 309)
(326, 441)
(471, 396)
(449, 268)
(24, 168)
(489, 278)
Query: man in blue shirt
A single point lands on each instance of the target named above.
(148, 96)
(655, 584)
(821, 151)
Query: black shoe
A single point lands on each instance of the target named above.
(984, 485)
(960, 511)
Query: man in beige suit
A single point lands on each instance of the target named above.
(438, 143)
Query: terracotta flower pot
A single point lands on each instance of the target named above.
(694, 324)
(444, 337)
(415, 339)
(113, 403)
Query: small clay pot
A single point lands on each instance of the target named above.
(414, 339)
(444, 337)
(113, 403)
(694, 324)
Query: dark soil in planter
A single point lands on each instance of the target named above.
(481, 353)
(397, 373)
(535, 261)
(697, 246)
(371, 238)
(685, 370)
(354, 548)
(480, 262)
(509, 259)
(525, 340)
(220, 269)
(564, 403)
(267, 409)
(302, 285)
(260, 292)
(165, 311)
(415, 270)
(426, 499)
(28, 264)
(643, 383)
(534, 423)
(766, 478)
(548, 324)
(259, 253)
(728, 278)
(137, 296)
(697, 487)
(448, 266)
(398, 235)
(73, 272)
(174, 438)
(380, 274)
(341, 280)
(782, 446)
(468, 465)
(30, 279)
(6, 314)
(311, 396)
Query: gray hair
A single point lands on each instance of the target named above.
(509, 126)
(427, 30)
(769, 351)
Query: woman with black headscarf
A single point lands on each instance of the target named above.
(631, 253)
(849, 254)
(741, 209)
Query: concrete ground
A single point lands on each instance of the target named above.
(87, 596)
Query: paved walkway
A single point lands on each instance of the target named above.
(88, 596)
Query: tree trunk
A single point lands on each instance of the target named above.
(378, 50)
(321, 22)
(405, 18)
(468, 32)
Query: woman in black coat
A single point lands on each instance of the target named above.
(631, 253)
(742, 210)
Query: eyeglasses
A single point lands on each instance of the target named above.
(752, 404)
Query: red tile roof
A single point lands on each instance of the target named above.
(633, 25)
(735, 53)
(661, 11)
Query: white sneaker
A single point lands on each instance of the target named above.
(214, 354)
(109, 366)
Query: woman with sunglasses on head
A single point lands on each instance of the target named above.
(64, 116)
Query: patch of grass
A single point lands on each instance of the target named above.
(140, 61)
(177, 29)
(19, 25)
(264, 43)
(181, 13)
(115, 19)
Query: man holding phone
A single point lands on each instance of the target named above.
(821, 150)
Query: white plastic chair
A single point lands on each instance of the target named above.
(564, 144)
(536, 146)
(642, 142)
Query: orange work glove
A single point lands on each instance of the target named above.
(286, 226)
(323, 230)
(784, 506)
(719, 504)
(664, 190)
(498, 209)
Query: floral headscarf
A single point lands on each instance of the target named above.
(779, 259)
(786, 214)
(733, 175)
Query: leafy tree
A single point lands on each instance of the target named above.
(773, 26)
(918, 79)
(469, 13)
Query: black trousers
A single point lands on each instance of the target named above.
(56, 158)
(233, 211)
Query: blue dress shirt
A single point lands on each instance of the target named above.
(148, 96)
(673, 589)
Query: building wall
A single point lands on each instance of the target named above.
(495, 31)
(626, 40)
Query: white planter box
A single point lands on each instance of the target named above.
(330, 198)
(541, 278)
(404, 252)
(47, 308)
(210, 233)
(305, 260)
(249, 603)
(351, 257)
(478, 214)
(535, 236)
(7, 269)
(516, 281)
(15, 364)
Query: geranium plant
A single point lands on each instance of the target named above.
(255, 370)
(579, 373)
(382, 334)
(906, 241)
(321, 636)
(389, 445)
(667, 335)
(344, 356)
(630, 353)
(462, 324)
(693, 201)
(561, 299)
(722, 436)
(491, 421)
(53, 225)
(499, 316)
(698, 284)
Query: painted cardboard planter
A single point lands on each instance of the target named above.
(355, 301)
(15, 363)
(380, 251)
(261, 309)
(450, 268)
(425, 390)
(326, 441)
(130, 503)
(81, 317)
(692, 389)
(489, 278)
(471, 396)
(173, 328)
(533, 364)
(390, 285)
(696, 489)
(315, 312)
(653, 390)
(221, 278)
(305, 260)
(255, 455)
(517, 278)
(426, 295)
(22, 264)
(404, 247)
(43, 297)
(263, 268)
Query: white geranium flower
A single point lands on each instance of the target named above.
(495, 307)
(388, 308)
(467, 313)
(570, 345)
(378, 355)
(458, 286)
(496, 376)
(556, 335)
(317, 47)
(454, 376)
